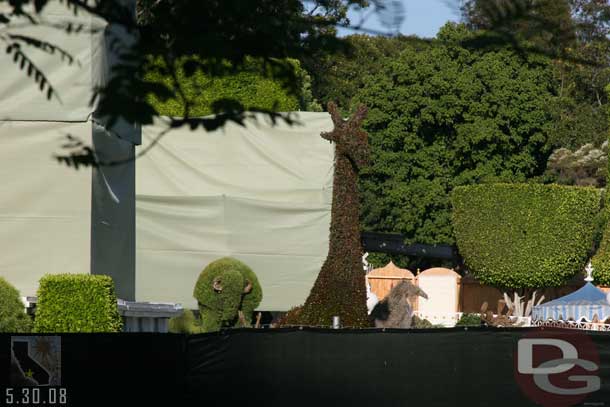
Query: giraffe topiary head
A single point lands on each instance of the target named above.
(350, 139)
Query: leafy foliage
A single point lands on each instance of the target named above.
(339, 76)
(590, 76)
(524, 235)
(578, 122)
(543, 26)
(601, 260)
(204, 94)
(215, 31)
(77, 303)
(469, 320)
(234, 31)
(13, 318)
(575, 35)
(443, 116)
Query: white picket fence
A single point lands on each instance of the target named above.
(583, 325)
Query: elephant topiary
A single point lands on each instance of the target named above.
(227, 292)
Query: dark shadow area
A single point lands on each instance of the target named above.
(303, 366)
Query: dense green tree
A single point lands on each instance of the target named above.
(444, 116)
(577, 122)
(601, 260)
(337, 77)
(574, 34)
(543, 26)
(582, 73)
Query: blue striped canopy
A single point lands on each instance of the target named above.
(586, 302)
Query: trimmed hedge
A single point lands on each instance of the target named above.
(601, 260)
(524, 235)
(77, 303)
(13, 318)
(246, 86)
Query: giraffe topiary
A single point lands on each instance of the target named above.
(340, 289)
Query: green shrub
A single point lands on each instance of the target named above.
(524, 235)
(469, 320)
(247, 86)
(423, 323)
(13, 318)
(601, 260)
(77, 303)
(185, 323)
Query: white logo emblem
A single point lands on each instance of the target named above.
(568, 360)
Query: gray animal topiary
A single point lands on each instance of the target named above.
(227, 292)
(396, 310)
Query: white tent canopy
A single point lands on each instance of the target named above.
(588, 303)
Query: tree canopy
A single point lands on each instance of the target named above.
(446, 115)
(337, 77)
(222, 34)
(575, 35)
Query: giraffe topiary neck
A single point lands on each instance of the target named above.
(344, 224)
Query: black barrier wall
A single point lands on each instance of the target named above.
(293, 367)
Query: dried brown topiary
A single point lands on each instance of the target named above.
(340, 287)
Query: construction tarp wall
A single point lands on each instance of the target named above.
(260, 192)
(46, 215)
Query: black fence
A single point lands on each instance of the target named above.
(311, 367)
(394, 243)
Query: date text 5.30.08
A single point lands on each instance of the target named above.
(35, 396)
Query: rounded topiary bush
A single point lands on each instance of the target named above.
(526, 236)
(225, 287)
(13, 318)
(77, 303)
